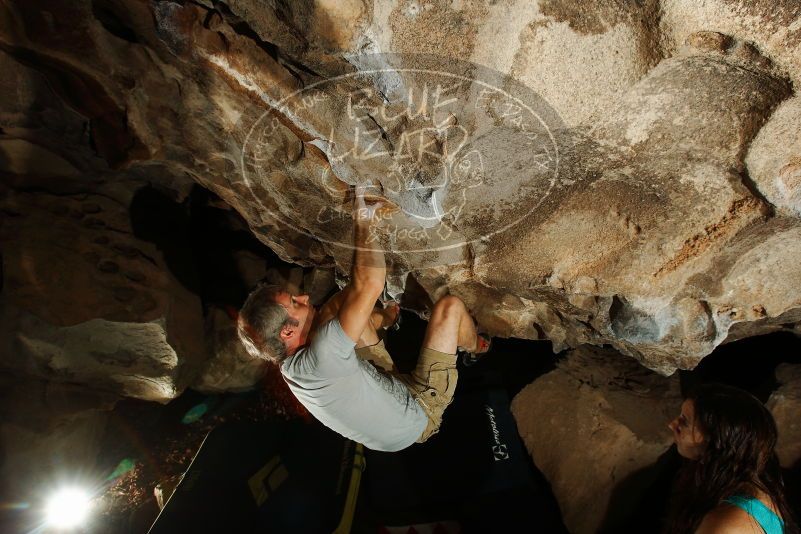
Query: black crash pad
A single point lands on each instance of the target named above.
(280, 476)
(475, 472)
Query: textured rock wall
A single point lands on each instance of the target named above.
(593, 426)
(86, 302)
(653, 207)
(785, 405)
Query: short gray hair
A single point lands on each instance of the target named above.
(260, 322)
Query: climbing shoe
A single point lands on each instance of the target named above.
(471, 358)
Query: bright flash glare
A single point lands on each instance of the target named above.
(67, 508)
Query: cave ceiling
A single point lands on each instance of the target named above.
(605, 172)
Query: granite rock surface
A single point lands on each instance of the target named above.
(606, 172)
(593, 426)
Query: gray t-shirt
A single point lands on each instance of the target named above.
(350, 396)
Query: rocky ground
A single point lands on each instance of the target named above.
(163, 441)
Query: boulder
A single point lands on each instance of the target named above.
(230, 368)
(774, 158)
(86, 302)
(595, 423)
(785, 405)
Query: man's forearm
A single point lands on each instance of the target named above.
(369, 266)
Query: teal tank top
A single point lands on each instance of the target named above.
(769, 521)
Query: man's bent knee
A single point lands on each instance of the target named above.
(447, 307)
(442, 333)
(448, 301)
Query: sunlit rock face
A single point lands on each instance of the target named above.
(602, 172)
(593, 425)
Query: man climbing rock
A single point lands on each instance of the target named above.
(323, 353)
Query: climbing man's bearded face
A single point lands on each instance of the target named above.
(299, 309)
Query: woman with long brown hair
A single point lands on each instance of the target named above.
(731, 481)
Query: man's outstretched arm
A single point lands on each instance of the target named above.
(368, 272)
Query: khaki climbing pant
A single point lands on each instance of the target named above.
(431, 383)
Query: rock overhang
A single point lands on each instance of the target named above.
(670, 225)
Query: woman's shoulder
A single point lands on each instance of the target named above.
(728, 518)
